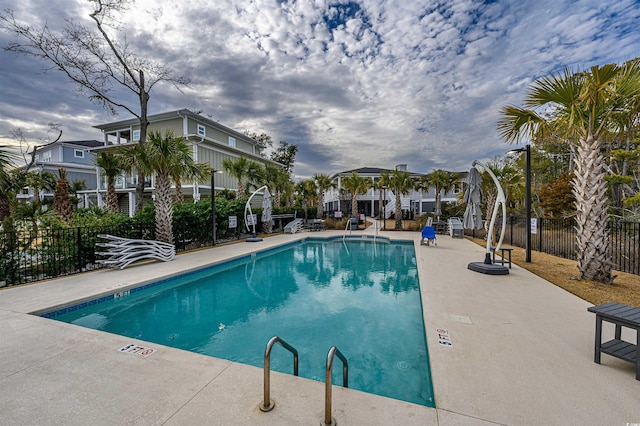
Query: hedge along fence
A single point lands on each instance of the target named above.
(558, 238)
(29, 255)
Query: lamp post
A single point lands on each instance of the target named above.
(384, 209)
(527, 197)
(213, 202)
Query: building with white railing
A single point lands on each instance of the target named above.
(418, 202)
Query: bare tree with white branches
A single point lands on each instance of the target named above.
(97, 60)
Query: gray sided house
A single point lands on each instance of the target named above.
(75, 157)
(210, 141)
(419, 202)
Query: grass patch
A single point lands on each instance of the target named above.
(563, 272)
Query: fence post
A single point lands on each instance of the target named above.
(511, 220)
(539, 234)
(79, 245)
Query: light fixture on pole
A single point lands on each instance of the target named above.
(384, 208)
(527, 197)
(213, 202)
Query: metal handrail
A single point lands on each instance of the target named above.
(267, 405)
(328, 421)
(348, 227)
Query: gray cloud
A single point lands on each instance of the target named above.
(362, 83)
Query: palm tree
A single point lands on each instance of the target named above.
(74, 187)
(422, 184)
(582, 108)
(402, 183)
(6, 163)
(380, 185)
(323, 183)
(279, 181)
(112, 166)
(355, 185)
(161, 155)
(308, 192)
(61, 198)
(192, 171)
(255, 173)
(440, 180)
(237, 168)
(39, 182)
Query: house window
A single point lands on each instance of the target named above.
(136, 135)
(201, 130)
(46, 156)
(232, 142)
(78, 153)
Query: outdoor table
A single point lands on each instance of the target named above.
(622, 316)
(503, 259)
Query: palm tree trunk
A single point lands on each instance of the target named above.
(354, 205)
(179, 193)
(590, 190)
(164, 208)
(5, 206)
(398, 226)
(320, 211)
(112, 197)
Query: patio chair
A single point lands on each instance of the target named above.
(428, 235)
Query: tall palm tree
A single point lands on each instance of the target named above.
(355, 185)
(380, 185)
(61, 199)
(582, 106)
(307, 191)
(160, 155)
(237, 168)
(190, 171)
(112, 166)
(440, 180)
(40, 182)
(323, 183)
(280, 180)
(402, 183)
(255, 174)
(383, 182)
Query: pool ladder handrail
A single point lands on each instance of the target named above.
(267, 404)
(328, 421)
(347, 228)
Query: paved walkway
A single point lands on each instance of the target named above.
(522, 354)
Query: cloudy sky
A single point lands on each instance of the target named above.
(360, 83)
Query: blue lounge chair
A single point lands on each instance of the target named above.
(428, 235)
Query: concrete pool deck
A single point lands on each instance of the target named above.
(521, 354)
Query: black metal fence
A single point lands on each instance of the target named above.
(32, 255)
(558, 237)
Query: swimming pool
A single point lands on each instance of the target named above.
(360, 295)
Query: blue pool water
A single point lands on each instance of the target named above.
(359, 295)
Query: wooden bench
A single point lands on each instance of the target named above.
(123, 251)
(502, 259)
(622, 316)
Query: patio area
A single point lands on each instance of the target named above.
(521, 353)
